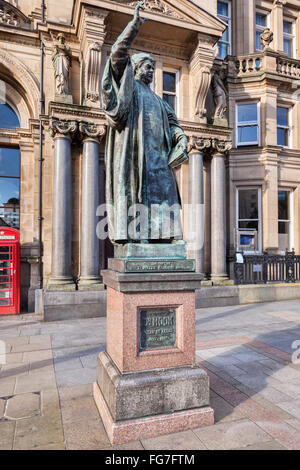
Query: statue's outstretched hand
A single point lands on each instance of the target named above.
(137, 18)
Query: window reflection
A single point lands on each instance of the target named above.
(10, 187)
(8, 118)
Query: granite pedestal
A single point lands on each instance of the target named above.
(147, 381)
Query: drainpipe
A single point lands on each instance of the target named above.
(42, 106)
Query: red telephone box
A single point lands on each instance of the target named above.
(9, 271)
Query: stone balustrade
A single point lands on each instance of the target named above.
(267, 61)
(11, 16)
(288, 67)
(246, 64)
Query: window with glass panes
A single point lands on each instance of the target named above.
(224, 13)
(248, 210)
(247, 124)
(284, 220)
(261, 23)
(9, 173)
(283, 127)
(170, 88)
(289, 38)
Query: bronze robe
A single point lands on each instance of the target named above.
(142, 131)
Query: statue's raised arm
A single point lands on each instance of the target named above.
(120, 49)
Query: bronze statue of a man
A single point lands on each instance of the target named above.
(144, 143)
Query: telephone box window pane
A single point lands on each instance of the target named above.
(169, 82)
(247, 112)
(170, 99)
(8, 118)
(9, 162)
(248, 204)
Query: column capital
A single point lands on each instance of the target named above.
(62, 128)
(198, 144)
(221, 147)
(89, 130)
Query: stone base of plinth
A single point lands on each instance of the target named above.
(152, 392)
(143, 428)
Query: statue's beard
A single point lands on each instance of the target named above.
(144, 78)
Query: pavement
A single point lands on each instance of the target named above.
(249, 352)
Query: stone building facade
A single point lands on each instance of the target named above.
(237, 100)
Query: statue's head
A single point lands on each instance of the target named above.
(61, 38)
(143, 66)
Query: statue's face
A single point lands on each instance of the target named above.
(145, 72)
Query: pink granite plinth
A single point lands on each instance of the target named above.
(122, 337)
(121, 432)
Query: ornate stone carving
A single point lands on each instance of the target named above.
(93, 72)
(199, 144)
(12, 16)
(267, 37)
(221, 146)
(204, 83)
(94, 131)
(156, 6)
(61, 59)
(220, 95)
(62, 128)
(25, 77)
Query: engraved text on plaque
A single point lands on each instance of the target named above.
(157, 328)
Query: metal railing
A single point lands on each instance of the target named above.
(260, 269)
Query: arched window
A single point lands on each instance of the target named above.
(9, 172)
(8, 117)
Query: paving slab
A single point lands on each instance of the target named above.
(35, 382)
(294, 422)
(68, 378)
(292, 407)
(226, 436)
(186, 440)
(25, 405)
(272, 445)
(2, 407)
(224, 412)
(7, 386)
(79, 409)
(38, 431)
(7, 431)
(76, 391)
(86, 435)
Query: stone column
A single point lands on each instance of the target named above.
(90, 200)
(218, 211)
(196, 201)
(61, 273)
